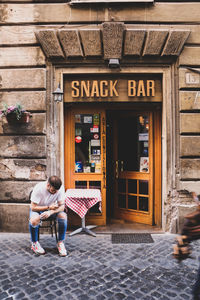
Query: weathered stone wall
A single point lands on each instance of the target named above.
(26, 150)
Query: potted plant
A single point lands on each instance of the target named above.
(15, 114)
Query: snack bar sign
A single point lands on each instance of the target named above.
(118, 89)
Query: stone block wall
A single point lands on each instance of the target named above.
(23, 154)
(27, 150)
(189, 109)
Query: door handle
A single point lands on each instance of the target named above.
(116, 169)
(122, 165)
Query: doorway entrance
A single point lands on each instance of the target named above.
(131, 179)
(119, 152)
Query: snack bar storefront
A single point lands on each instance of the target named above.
(112, 142)
(117, 126)
(128, 123)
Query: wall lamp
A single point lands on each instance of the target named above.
(113, 63)
(58, 94)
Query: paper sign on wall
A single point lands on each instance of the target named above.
(95, 143)
(78, 131)
(94, 130)
(96, 119)
(87, 119)
(144, 164)
(143, 137)
(77, 118)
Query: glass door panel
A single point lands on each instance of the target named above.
(87, 136)
(85, 156)
(87, 143)
(85, 151)
(133, 166)
(133, 148)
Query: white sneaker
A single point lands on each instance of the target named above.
(61, 249)
(37, 248)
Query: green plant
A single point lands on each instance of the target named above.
(12, 109)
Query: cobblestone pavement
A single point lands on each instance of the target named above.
(94, 269)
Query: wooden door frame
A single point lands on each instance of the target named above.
(168, 118)
(157, 158)
(70, 175)
(142, 217)
(156, 154)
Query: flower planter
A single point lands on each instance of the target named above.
(12, 118)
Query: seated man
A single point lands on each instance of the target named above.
(47, 199)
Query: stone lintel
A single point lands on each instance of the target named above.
(134, 40)
(91, 41)
(154, 42)
(70, 41)
(175, 42)
(113, 39)
(50, 44)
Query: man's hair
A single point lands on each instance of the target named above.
(55, 182)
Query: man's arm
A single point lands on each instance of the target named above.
(61, 200)
(36, 207)
(57, 207)
(53, 208)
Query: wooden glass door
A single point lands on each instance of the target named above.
(133, 158)
(85, 155)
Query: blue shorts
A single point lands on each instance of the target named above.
(35, 214)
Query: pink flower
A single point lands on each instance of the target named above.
(11, 108)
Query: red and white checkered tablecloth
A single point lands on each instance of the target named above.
(81, 200)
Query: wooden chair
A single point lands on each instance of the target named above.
(50, 224)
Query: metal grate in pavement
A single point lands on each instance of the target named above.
(131, 238)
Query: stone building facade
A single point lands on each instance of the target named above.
(108, 56)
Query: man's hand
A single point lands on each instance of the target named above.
(45, 215)
(53, 206)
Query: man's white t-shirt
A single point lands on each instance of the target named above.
(43, 197)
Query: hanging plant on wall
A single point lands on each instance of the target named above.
(15, 114)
